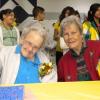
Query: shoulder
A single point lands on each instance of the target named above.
(93, 43)
(16, 28)
(65, 58)
(86, 24)
(57, 25)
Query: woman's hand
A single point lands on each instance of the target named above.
(28, 94)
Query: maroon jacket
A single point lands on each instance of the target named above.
(67, 65)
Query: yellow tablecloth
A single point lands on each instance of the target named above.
(63, 91)
(66, 91)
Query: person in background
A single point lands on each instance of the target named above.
(38, 15)
(77, 14)
(82, 61)
(91, 26)
(67, 11)
(20, 64)
(9, 34)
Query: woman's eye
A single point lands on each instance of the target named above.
(65, 33)
(73, 33)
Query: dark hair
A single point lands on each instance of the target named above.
(92, 11)
(4, 12)
(68, 8)
(77, 13)
(37, 10)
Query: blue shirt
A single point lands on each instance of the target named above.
(28, 69)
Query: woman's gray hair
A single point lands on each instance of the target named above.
(71, 20)
(33, 27)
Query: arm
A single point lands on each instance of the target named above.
(56, 35)
(1, 38)
(0, 70)
(60, 72)
(1, 63)
(56, 31)
(52, 77)
(18, 34)
(97, 47)
(86, 31)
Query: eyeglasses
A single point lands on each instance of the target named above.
(29, 44)
(72, 34)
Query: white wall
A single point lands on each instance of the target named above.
(58, 5)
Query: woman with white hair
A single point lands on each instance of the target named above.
(81, 62)
(20, 64)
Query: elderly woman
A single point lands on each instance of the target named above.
(81, 62)
(20, 64)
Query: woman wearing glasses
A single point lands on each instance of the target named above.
(20, 64)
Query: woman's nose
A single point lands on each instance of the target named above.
(30, 48)
(69, 35)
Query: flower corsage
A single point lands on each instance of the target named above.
(45, 69)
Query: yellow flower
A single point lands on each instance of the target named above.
(45, 69)
(50, 64)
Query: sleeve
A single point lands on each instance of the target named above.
(1, 62)
(97, 47)
(52, 77)
(18, 35)
(56, 31)
(86, 30)
(1, 45)
(94, 46)
(56, 25)
(0, 70)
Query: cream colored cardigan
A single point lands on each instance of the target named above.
(9, 65)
